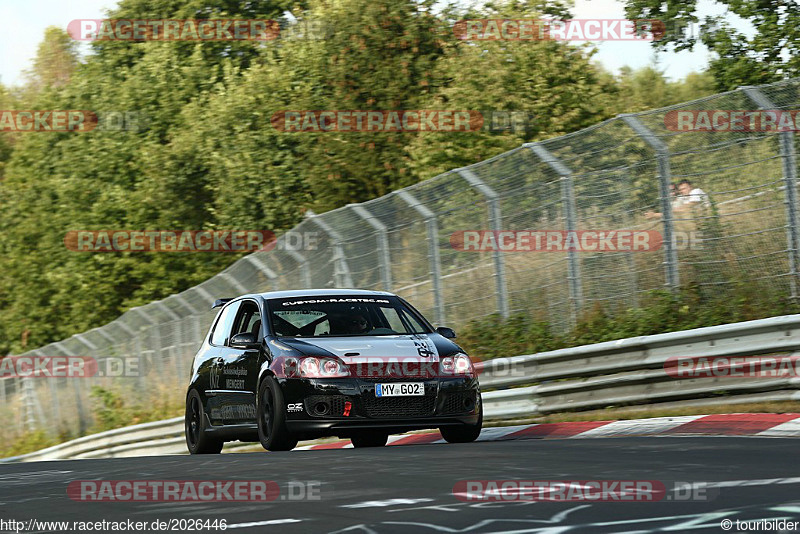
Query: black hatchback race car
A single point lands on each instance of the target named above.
(286, 366)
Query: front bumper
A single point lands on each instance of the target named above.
(320, 409)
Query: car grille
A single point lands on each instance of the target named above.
(454, 403)
(397, 407)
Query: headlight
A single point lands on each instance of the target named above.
(457, 364)
(314, 367)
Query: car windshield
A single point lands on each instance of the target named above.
(343, 316)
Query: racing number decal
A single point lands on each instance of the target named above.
(423, 348)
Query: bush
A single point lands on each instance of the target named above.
(660, 311)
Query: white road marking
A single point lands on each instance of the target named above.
(784, 430)
(263, 523)
(383, 504)
(655, 425)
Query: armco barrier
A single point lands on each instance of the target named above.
(623, 372)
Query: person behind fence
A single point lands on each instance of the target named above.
(684, 196)
(689, 196)
(673, 198)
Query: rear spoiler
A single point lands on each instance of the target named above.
(220, 302)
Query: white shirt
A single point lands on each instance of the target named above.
(695, 196)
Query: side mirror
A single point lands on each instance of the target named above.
(449, 333)
(245, 340)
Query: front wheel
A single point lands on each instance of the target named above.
(369, 439)
(198, 440)
(272, 432)
(463, 433)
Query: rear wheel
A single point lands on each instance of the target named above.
(369, 439)
(463, 433)
(198, 440)
(272, 431)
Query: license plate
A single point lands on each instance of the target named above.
(400, 389)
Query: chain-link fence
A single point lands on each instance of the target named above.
(611, 177)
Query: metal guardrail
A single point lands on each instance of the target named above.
(623, 372)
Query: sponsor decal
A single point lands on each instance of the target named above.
(334, 299)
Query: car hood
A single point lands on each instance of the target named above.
(356, 349)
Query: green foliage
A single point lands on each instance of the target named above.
(56, 60)
(204, 154)
(111, 411)
(660, 311)
(29, 442)
(770, 54)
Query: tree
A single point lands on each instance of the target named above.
(526, 91)
(55, 62)
(771, 54)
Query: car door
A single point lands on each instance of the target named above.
(216, 394)
(240, 367)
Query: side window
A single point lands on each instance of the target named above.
(415, 325)
(323, 328)
(248, 319)
(395, 323)
(223, 326)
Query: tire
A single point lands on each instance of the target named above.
(271, 409)
(369, 439)
(463, 433)
(198, 440)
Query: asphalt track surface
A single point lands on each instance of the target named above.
(410, 488)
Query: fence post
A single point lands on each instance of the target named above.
(33, 405)
(101, 330)
(82, 417)
(433, 250)
(194, 314)
(29, 402)
(571, 215)
(383, 243)
(664, 178)
(790, 182)
(234, 282)
(260, 266)
(305, 271)
(341, 271)
(178, 352)
(496, 225)
(206, 295)
(157, 348)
